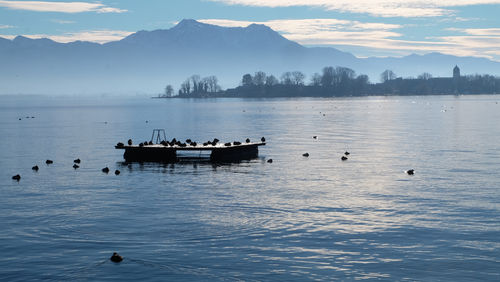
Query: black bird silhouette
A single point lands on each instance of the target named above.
(16, 177)
(105, 170)
(263, 139)
(270, 161)
(77, 161)
(347, 153)
(129, 142)
(49, 162)
(344, 158)
(35, 168)
(305, 155)
(117, 172)
(75, 166)
(116, 258)
(315, 137)
(410, 172)
(248, 140)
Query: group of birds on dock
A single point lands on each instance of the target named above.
(76, 165)
(188, 142)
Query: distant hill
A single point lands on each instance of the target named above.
(146, 61)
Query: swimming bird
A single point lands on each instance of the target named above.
(410, 172)
(16, 177)
(263, 139)
(49, 162)
(116, 258)
(77, 161)
(344, 158)
(270, 161)
(117, 172)
(315, 137)
(35, 168)
(105, 170)
(347, 153)
(75, 166)
(305, 155)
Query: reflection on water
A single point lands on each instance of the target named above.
(297, 218)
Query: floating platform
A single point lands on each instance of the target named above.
(164, 151)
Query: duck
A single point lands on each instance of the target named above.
(16, 177)
(75, 166)
(347, 153)
(129, 142)
(263, 139)
(49, 162)
(410, 172)
(117, 172)
(105, 170)
(236, 143)
(315, 137)
(77, 161)
(270, 161)
(344, 158)
(248, 140)
(35, 168)
(305, 155)
(116, 258)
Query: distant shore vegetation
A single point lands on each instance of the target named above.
(335, 82)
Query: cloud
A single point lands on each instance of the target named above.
(378, 38)
(380, 8)
(60, 7)
(62, 21)
(4, 26)
(97, 36)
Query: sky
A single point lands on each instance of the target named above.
(365, 28)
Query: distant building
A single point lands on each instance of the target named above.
(456, 72)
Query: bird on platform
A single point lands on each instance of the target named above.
(263, 139)
(129, 142)
(248, 140)
(116, 258)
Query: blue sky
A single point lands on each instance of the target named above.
(364, 28)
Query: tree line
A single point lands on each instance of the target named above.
(336, 82)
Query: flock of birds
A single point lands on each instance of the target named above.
(76, 165)
(188, 142)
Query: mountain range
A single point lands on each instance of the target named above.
(146, 61)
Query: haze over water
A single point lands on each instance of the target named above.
(315, 218)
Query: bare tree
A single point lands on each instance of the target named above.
(328, 76)
(298, 78)
(286, 78)
(271, 80)
(316, 79)
(425, 76)
(169, 91)
(387, 75)
(259, 78)
(247, 80)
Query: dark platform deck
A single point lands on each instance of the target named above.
(162, 153)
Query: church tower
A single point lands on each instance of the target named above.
(456, 72)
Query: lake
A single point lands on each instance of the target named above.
(298, 218)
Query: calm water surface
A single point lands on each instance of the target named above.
(296, 219)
